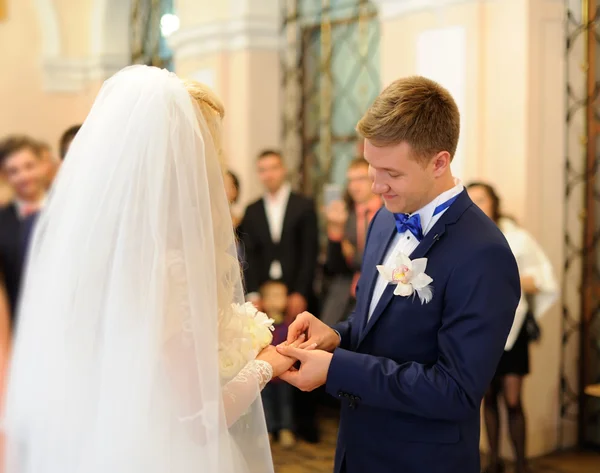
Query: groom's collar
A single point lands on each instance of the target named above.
(426, 212)
(449, 217)
(455, 211)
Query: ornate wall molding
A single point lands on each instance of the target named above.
(109, 46)
(242, 31)
(73, 75)
(389, 9)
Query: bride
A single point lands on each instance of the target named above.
(129, 357)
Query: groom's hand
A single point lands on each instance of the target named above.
(318, 334)
(314, 366)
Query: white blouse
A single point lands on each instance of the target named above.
(533, 262)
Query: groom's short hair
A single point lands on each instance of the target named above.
(415, 110)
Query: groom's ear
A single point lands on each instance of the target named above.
(441, 163)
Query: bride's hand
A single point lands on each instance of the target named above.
(279, 362)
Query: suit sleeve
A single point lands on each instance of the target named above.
(309, 250)
(480, 302)
(251, 251)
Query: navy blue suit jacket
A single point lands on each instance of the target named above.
(412, 378)
(14, 241)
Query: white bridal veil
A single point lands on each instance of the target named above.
(115, 366)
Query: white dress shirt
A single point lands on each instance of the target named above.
(275, 207)
(406, 242)
(531, 261)
(22, 206)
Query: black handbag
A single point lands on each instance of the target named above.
(532, 328)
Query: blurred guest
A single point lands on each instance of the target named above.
(278, 396)
(6, 193)
(347, 224)
(539, 291)
(232, 189)
(50, 162)
(5, 344)
(66, 140)
(280, 237)
(22, 166)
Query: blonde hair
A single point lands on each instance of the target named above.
(415, 110)
(212, 110)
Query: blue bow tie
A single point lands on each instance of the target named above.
(410, 223)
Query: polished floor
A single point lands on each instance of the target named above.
(306, 458)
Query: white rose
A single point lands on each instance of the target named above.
(249, 308)
(231, 361)
(231, 326)
(263, 319)
(260, 335)
(247, 347)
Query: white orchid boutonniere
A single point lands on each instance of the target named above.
(409, 277)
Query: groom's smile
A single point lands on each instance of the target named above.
(406, 180)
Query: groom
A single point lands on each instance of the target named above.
(411, 372)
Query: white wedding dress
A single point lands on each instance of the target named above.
(115, 366)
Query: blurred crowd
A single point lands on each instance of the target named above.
(286, 268)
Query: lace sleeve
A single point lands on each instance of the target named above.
(182, 362)
(242, 391)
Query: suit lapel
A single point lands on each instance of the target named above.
(424, 246)
(432, 237)
(383, 240)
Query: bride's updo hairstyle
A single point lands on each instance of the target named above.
(212, 110)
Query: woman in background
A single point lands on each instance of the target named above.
(232, 189)
(539, 291)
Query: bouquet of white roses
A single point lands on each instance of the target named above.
(243, 332)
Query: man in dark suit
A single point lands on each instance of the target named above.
(23, 169)
(436, 300)
(280, 236)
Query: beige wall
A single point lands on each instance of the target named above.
(513, 137)
(26, 106)
(54, 56)
(246, 82)
(544, 206)
(233, 47)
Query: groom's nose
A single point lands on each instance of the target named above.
(379, 187)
